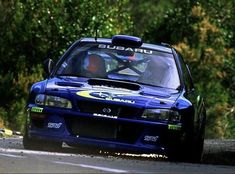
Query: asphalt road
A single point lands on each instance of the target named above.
(219, 158)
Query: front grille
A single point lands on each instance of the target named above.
(92, 127)
(108, 109)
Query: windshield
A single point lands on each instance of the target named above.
(138, 65)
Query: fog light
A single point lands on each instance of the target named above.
(38, 116)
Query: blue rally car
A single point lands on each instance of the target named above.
(121, 94)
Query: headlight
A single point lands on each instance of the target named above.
(54, 101)
(161, 115)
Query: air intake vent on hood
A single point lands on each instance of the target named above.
(114, 84)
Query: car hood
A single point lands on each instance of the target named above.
(126, 93)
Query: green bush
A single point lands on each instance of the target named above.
(196, 31)
(34, 30)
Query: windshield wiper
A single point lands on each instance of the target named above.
(140, 83)
(137, 82)
(67, 75)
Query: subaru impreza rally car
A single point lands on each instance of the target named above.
(121, 94)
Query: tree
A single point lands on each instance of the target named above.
(207, 45)
(35, 29)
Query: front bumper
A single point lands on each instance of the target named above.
(74, 128)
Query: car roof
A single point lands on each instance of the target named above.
(162, 48)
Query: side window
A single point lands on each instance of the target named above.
(186, 74)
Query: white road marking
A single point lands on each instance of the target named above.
(36, 152)
(106, 169)
(10, 155)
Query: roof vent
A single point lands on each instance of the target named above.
(125, 40)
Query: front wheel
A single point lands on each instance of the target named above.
(30, 143)
(190, 151)
(199, 144)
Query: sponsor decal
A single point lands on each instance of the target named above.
(36, 109)
(121, 48)
(54, 125)
(174, 127)
(105, 95)
(106, 110)
(104, 115)
(151, 138)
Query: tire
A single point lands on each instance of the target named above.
(199, 145)
(192, 150)
(30, 143)
(182, 154)
(197, 153)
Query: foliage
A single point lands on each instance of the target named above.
(34, 30)
(203, 31)
(195, 28)
(148, 13)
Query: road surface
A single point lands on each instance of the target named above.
(14, 159)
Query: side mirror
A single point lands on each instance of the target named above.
(48, 66)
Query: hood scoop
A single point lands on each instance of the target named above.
(114, 84)
(69, 84)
